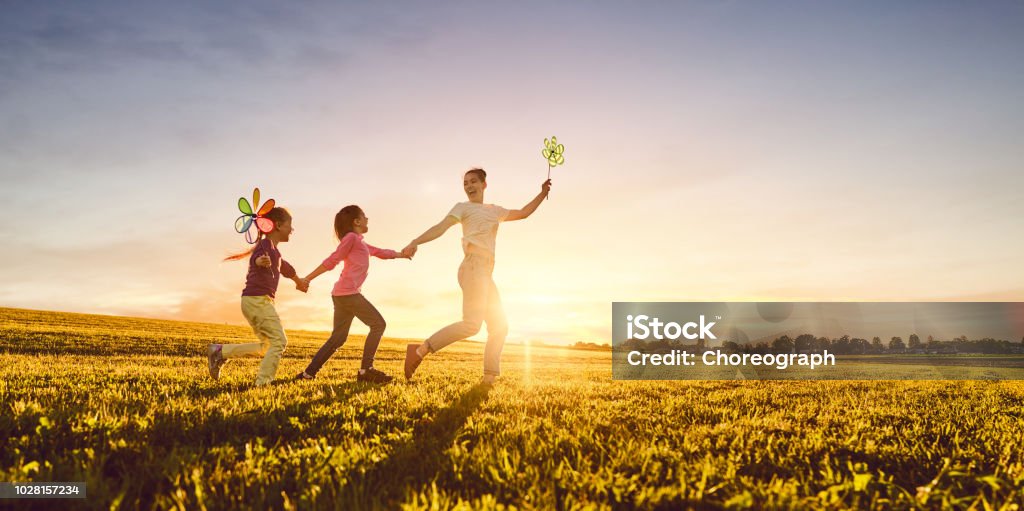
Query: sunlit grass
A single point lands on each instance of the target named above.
(126, 405)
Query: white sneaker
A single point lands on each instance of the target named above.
(216, 359)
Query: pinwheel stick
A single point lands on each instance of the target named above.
(548, 196)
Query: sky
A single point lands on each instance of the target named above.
(756, 151)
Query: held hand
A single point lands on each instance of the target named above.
(263, 260)
(545, 188)
(409, 251)
(302, 285)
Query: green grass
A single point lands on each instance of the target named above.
(126, 405)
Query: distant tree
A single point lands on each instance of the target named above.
(660, 345)
(823, 343)
(897, 343)
(805, 342)
(731, 346)
(915, 341)
(859, 346)
(841, 345)
(782, 345)
(633, 344)
(876, 343)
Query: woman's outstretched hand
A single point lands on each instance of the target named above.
(409, 251)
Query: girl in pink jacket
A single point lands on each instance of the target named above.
(349, 225)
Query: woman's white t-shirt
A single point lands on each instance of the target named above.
(479, 223)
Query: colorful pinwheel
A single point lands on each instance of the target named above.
(249, 219)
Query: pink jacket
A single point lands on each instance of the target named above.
(356, 254)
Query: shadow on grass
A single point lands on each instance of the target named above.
(174, 441)
(225, 387)
(414, 463)
(275, 425)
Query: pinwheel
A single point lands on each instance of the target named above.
(552, 152)
(249, 219)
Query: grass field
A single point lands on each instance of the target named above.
(126, 405)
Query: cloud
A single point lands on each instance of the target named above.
(82, 42)
(79, 38)
(88, 40)
(206, 307)
(320, 58)
(242, 46)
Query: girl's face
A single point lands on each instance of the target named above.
(361, 224)
(284, 230)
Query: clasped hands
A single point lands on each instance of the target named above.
(302, 284)
(409, 251)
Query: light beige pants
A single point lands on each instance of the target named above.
(259, 311)
(480, 303)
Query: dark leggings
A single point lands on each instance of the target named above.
(345, 308)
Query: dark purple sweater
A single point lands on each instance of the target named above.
(263, 281)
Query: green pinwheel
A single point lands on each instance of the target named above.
(552, 152)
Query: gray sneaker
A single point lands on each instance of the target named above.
(216, 359)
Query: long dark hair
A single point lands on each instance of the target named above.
(279, 216)
(345, 219)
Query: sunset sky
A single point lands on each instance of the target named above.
(809, 151)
